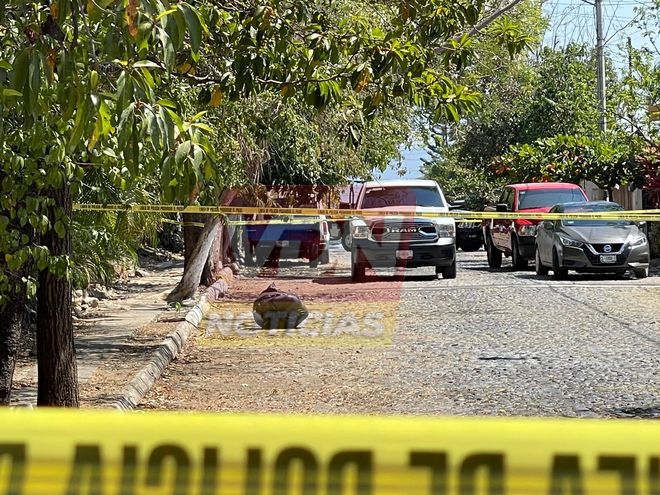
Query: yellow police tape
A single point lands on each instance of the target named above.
(636, 215)
(90, 452)
(287, 221)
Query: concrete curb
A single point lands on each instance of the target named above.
(166, 352)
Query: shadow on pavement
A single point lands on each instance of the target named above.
(343, 280)
(576, 277)
(652, 412)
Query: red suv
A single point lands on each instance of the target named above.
(516, 238)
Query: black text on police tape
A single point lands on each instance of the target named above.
(86, 473)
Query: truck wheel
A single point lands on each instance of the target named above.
(493, 254)
(519, 263)
(557, 270)
(358, 269)
(358, 272)
(261, 257)
(346, 240)
(449, 271)
(540, 268)
(314, 256)
(325, 256)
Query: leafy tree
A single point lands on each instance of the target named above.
(475, 186)
(605, 160)
(96, 86)
(534, 97)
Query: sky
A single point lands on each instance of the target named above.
(574, 20)
(412, 160)
(570, 20)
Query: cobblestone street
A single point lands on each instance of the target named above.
(490, 342)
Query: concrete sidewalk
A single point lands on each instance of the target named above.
(106, 341)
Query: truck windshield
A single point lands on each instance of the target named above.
(545, 198)
(383, 197)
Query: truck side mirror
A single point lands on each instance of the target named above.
(501, 207)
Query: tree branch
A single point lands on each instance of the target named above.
(477, 28)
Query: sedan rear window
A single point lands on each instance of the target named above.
(383, 197)
(545, 198)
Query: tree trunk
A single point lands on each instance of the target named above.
(56, 355)
(214, 261)
(191, 234)
(192, 273)
(11, 320)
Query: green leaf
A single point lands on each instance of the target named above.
(166, 127)
(198, 116)
(167, 103)
(165, 13)
(20, 70)
(203, 127)
(168, 47)
(182, 152)
(146, 63)
(194, 26)
(175, 118)
(79, 125)
(11, 92)
(60, 229)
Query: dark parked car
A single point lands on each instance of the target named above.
(469, 234)
(271, 239)
(587, 245)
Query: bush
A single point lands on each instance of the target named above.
(458, 182)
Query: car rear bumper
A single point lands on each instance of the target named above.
(469, 236)
(423, 254)
(290, 249)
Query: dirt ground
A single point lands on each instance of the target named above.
(265, 372)
(116, 334)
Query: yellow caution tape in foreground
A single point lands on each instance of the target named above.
(71, 452)
(637, 215)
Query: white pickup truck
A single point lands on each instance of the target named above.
(391, 241)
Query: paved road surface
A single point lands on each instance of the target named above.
(491, 342)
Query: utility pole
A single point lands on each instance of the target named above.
(600, 55)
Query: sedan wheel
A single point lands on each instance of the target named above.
(557, 270)
(541, 269)
(642, 272)
(347, 240)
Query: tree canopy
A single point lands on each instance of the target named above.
(147, 100)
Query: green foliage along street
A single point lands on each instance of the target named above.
(539, 115)
(148, 100)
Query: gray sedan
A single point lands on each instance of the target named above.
(614, 246)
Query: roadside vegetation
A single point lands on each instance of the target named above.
(146, 101)
(539, 120)
(143, 101)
